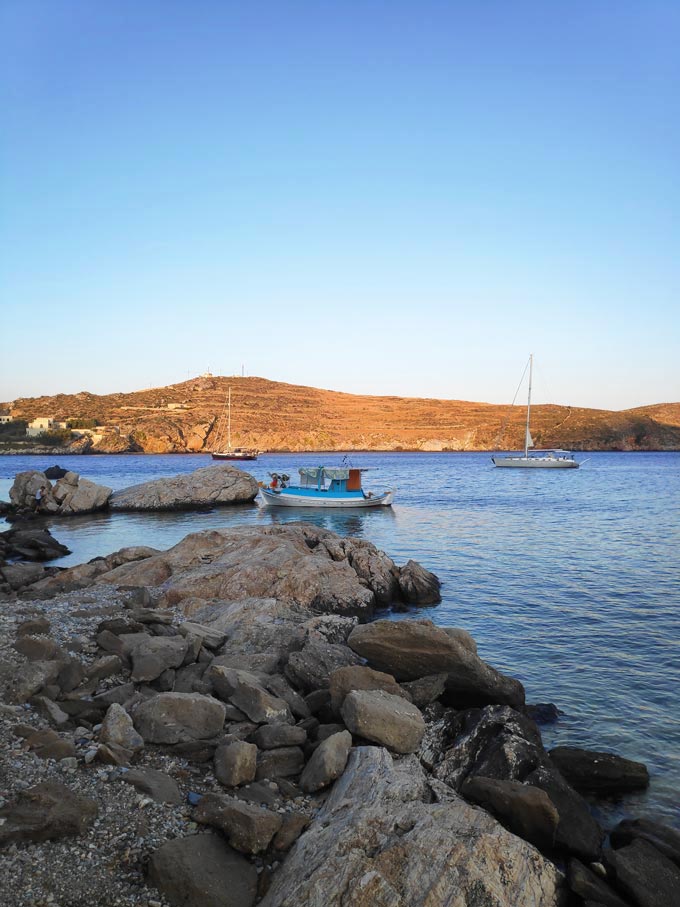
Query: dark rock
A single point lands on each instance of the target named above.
(663, 837)
(17, 576)
(527, 811)
(494, 742)
(39, 648)
(279, 687)
(47, 744)
(417, 585)
(47, 811)
(426, 689)
(311, 668)
(643, 874)
(589, 886)
(248, 828)
(318, 700)
(543, 712)
(599, 773)
(293, 826)
(55, 472)
(577, 832)
(37, 626)
(203, 871)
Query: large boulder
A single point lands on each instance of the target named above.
(70, 495)
(665, 838)
(643, 874)
(409, 649)
(525, 810)
(379, 839)
(418, 586)
(179, 717)
(384, 718)
(207, 487)
(250, 562)
(47, 811)
(594, 772)
(203, 871)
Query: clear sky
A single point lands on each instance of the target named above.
(376, 197)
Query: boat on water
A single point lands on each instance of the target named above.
(322, 486)
(223, 451)
(552, 458)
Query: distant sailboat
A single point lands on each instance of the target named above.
(544, 459)
(228, 452)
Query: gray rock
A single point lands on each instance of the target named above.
(378, 840)
(327, 763)
(280, 763)
(117, 728)
(359, 677)
(384, 718)
(409, 649)
(203, 871)
(293, 826)
(527, 811)
(236, 763)
(209, 636)
(272, 736)
(157, 785)
(599, 773)
(279, 686)
(209, 486)
(47, 811)
(244, 691)
(179, 717)
(248, 828)
(32, 677)
(155, 655)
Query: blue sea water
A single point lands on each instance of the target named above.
(568, 579)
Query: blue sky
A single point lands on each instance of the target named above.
(376, 197)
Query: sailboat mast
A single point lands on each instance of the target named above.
(526, 433)
(229, 420)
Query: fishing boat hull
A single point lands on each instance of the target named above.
(293, 497)
(535, 462)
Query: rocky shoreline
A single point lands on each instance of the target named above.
(226, 723)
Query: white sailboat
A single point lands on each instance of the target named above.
(221, 452)
(543, 459)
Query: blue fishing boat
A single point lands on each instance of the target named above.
(322, 486)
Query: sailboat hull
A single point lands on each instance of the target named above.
(233, 456)
(535, 462)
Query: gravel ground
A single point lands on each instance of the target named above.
(104, 867)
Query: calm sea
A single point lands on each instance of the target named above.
(568, 580)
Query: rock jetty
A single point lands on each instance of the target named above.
(218, 724)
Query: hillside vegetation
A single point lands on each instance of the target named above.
(270, 415)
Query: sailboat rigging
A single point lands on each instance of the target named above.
(228, 452)
(544, 459)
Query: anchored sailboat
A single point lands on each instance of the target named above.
(543, 459)
(220, 452)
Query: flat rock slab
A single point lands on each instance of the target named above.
(590, 771)
(203, 871)
(207, 487)
(378, 840)
(157, 785)
(47, 811)
(410, 649)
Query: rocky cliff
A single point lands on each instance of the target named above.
(270, 415)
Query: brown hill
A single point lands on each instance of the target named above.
(271, 415)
